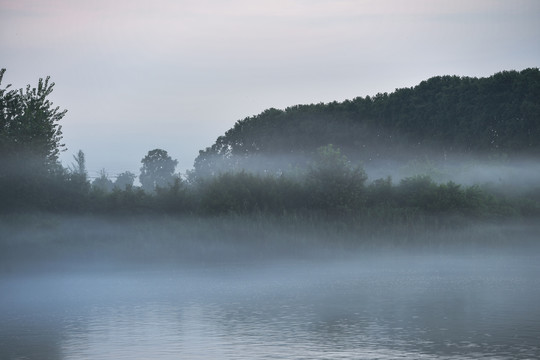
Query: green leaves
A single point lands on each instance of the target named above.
(29, 127)
(30, 142)
(333, 182)
(124, 180)
(157, 170)
(444, 115)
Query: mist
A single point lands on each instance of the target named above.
(265, 256)
(517, 175)
(237, 287)
(48, 242)
(343, 240)
(466, 170)
(395, 224)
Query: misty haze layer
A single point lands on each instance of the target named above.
(403, 225)
(385, 306)
(54, 242)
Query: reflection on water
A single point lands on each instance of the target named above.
(407, 307)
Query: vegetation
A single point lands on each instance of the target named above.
(317, 181)
(30, 143)
(441, 117)
(157, 170)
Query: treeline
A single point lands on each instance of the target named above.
(329, 188)
(442, 116)
(322, 184)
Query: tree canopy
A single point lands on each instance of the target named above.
(442, 115)
(30, 143)
(30, 134)
(157, 170)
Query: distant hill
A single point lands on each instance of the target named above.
(441, 116)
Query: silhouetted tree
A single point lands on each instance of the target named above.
(79, 167)
(78, 175)
(103, 183)
(124, 180)
(30, 142)
(30, 136)
(157, 170)
(444, 115)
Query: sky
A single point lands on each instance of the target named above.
(136, 75)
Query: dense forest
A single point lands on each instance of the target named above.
(307, 161)
(445, 116)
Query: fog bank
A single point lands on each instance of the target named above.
(55, 242)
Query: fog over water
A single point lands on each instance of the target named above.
(295, 252)
(516, 173)
(237, 288)
(271, 286)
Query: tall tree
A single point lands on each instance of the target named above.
(79, 167)
(78, 175)
(30, 142)
(157, 170)
(125, 180)
(103, 183)
(30, 136)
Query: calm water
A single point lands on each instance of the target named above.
(417, 307)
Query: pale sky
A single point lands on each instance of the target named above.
(136, 75)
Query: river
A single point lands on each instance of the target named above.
(420, 306)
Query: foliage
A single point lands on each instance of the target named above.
(333, 183)
(175, 198)
(30, 136)
(381, 193)
(317, 181)
(157, 170)
(79, 167)
(30, 142)
(124, 180)
(442, 116)
(77, 178)
(242, 192)
(103, 183)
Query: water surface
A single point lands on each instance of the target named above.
(369, 307)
